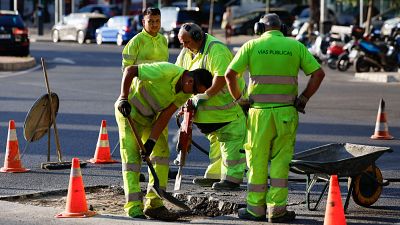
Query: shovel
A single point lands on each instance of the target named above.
(156, 186)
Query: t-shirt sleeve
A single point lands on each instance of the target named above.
(241, 60)
(130, 53)
(308, 63)
(219, 60)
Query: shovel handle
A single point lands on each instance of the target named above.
(52, 113)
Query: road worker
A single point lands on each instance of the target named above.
(146, 47)
(273, 62)
(151, 99)
(217, 116)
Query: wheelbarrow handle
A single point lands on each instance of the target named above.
(309, 165)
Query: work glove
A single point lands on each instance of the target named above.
(300, 103)
(244, 103)
(124, 107)
(148, 146)
(199, 98)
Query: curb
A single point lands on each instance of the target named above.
(16, 63)
(380, 77)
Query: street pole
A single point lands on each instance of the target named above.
(144, 5)
(361, 12)
(56, 12)
(15, 5)
(211, 19)
(322, 17)
(72, 6)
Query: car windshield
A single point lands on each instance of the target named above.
(11, 21)
(189, 16)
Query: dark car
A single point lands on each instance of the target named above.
(108, 10)
(13, 34)
(78, 27)
(245, 24)
(173, 17)
(119, 29)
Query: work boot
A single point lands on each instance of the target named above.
(161, 213)
(204, 182)
(287, 217)
(245, 215)
(139, 217)
(225, 185)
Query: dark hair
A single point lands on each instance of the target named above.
(151, 11)
(201, 77)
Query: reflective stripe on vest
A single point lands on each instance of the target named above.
(272, 98)
(145, 111)
(256, 187)
(287, 98)
(213, 160)
(137, 196)
(258, 210)
(214, 107)
(279, 182)
(131, 167)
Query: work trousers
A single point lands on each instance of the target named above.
(271, 137)
(131, 164)
(226, 160)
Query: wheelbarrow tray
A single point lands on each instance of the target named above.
(341, 159)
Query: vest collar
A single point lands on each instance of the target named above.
(272, 33)
(149, 35)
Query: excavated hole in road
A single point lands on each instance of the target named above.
(111, 199)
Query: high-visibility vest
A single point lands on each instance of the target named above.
(215, 57)
(273, 62)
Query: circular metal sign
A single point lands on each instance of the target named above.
(38, 120)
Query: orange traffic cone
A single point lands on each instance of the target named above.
(381, 127)
(76, 199)
(12, 162)
(334, 213)
(102, 154)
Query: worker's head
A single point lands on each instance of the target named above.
(196, 81)
(152, 20)
(191, 36)
(269, 21)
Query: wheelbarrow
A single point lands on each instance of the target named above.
(356, 162)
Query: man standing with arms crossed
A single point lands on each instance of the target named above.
(145, 47)
(273, 62)
(217, 116)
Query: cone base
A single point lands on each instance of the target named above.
(13, 170)
(102, 161)
(75, 215)
(380, 137)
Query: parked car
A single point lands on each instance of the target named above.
(13, 34)
(118, 29)
(107, 10)
(245, 24)
(174, 17)
(78, 27)
(389, 26)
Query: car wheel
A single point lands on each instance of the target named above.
(55, 36)
(80, 37)
(120, 40)
(99, 39)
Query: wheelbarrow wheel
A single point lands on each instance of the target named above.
(367, 188)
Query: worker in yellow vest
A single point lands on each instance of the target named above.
(217, 116)
(150, 99)
(145, 47)
(273, 62)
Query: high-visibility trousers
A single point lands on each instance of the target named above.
(271, 137)
(131, 164)
(226, 160)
